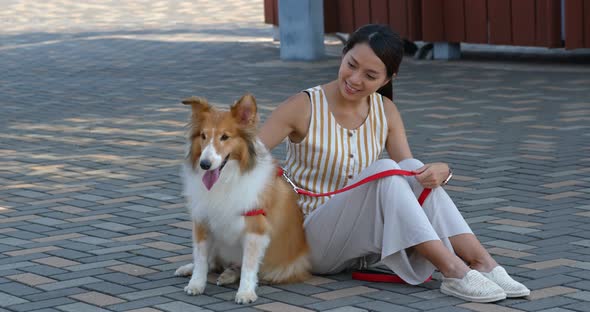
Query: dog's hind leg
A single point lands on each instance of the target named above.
(185, 270)
(229, 276)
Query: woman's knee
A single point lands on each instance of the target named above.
(387, 183)
(386, 164)
(410, 164)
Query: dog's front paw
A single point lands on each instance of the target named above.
(194, 288)
(185, 270)
(245, 297)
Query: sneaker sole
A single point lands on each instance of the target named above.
(453, 293)
(518, 294)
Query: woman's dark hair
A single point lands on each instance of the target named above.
(386, 44)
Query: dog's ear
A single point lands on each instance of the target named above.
(244, 111)
(198, 104)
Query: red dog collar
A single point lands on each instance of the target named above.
(254, 212)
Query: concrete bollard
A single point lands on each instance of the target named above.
(301, 29)
(447, 51)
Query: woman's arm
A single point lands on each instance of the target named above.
(397, 143)
(290, 119)
(430, 175)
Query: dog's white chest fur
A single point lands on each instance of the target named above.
(222, 207)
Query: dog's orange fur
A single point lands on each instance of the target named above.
(285, 227)
(283, 222)
(200, 232)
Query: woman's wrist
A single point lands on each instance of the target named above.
(448, 178)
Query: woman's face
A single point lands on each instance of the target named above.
(361, 73)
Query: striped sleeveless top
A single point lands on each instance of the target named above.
(331, 155)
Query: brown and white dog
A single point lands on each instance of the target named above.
(229, 173)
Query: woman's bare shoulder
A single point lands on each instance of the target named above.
(296, 101)
(388, 105)
(290, 118)
(391, 111)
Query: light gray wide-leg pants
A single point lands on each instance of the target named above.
(382, 217)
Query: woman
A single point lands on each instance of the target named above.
(336, 133)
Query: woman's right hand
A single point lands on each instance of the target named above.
(432, 175)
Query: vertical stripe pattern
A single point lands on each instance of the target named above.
(331, 155)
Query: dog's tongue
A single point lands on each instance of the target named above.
(210, 177)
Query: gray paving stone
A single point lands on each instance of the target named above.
(146, 261)
(392, 297)
(510, 245)
(535, 274)
(44, 270)
(179, 306)
(436, 303)
(120, 278)
(138, 304)
(549, 281)
(347, 309)
(18, 289)
(384, 307)
(449, 309)
(174, 281)
(13, 241)
(81, 274)
(92, 240)
(68, 254)
(103, 251)
(331, 305)
(201, 300)
(580, 306)
(302, 289)
(94, 265)
(545, 303)
(150, 293)
(80, 307)
(291, 298)
(582, 285)
(344, 284)
(402, 288)
(69, 283)
(231, 305)
(54, 294)
(41, 304)
(8, 300)
(109, 288)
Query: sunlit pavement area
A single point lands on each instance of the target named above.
(92, 134)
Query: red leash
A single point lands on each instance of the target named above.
(377, 176)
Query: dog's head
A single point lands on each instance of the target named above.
(218, 136)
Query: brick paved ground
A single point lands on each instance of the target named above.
(91, 217)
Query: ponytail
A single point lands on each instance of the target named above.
(387, 90)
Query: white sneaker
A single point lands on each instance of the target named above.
(512, 288)
(473, 287)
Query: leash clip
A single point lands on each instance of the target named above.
(286, 177)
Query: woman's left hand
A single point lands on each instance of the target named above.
(432, 175)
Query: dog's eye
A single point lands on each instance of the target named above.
(224, 137)
(203, 136)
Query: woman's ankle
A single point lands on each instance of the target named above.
(485, 266)
(455, 270)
